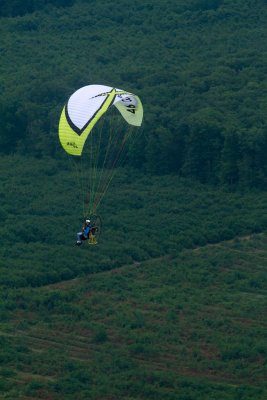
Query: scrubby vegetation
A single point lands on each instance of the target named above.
(169, 303)
(187, 327)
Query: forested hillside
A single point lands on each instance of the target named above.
(199, 67)
(171, 302)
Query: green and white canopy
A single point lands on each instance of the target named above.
(86, 106)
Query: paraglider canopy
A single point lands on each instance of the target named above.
(86, 106)
(113, 113)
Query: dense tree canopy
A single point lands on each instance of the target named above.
(19, 8)
(198, 65)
